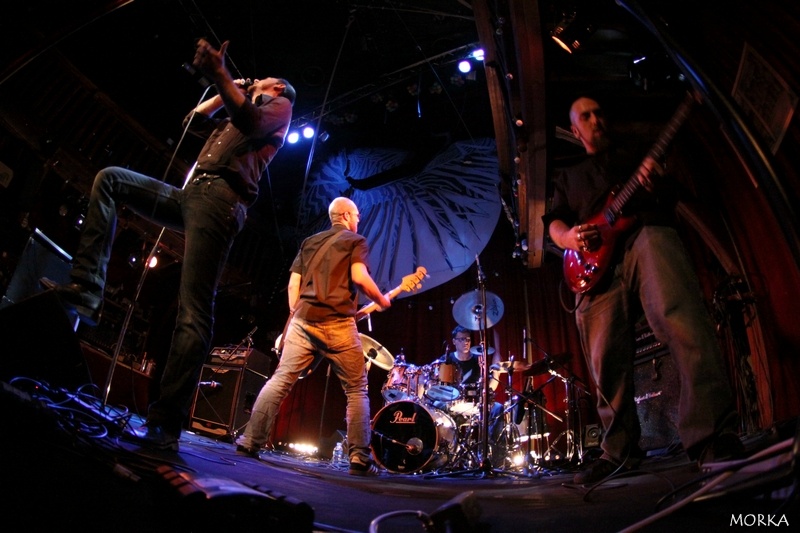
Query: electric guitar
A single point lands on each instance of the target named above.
(583, 270)
(410, 283)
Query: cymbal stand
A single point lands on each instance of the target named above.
(485, 467)
(529, 398)
(571, 433)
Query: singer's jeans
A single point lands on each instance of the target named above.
(338, 341)
(657, 278)
(210, 215)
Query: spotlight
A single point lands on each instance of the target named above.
(153, 260)
(308, 132)
(477, 55)
(133, 260)
(324, 136)
(293, 137)
(464, 66)
(572, 32)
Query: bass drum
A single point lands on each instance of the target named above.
(408, 437)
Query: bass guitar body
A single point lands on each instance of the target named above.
(584, 270)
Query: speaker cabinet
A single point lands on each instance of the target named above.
(38, 342)
(226, 392)
(657, 392)
(40, 258)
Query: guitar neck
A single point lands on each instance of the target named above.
(372, 306)
(656, 152)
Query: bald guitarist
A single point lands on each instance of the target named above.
(326, 275)
(624, 258)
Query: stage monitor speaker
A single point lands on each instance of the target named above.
(657, 392)
(38, 342)
(40, 258)
(225, 396)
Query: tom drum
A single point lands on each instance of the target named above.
(442, 385)
(403, 383)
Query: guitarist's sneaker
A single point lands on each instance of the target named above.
(363, 467)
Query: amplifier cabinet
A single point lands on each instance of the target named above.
(225, 394)
(657, 393)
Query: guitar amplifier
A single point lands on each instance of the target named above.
(229, 384)
(657, 387)
(229, 356)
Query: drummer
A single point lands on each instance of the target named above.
(468, 372)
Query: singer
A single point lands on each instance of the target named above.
(210, 210)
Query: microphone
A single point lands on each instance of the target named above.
(246, 84)
(210, 385)
(196, 75)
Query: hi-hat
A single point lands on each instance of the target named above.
(544, 365)
(468, 310)
(376, 352)
(478, 350)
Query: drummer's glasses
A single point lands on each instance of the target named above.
(462, 339)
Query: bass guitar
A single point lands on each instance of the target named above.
(409, 283)
(584, 269)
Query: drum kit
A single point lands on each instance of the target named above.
(432, 423)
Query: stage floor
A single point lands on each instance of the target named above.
(66, 463)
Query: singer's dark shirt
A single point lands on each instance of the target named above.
(240, 147)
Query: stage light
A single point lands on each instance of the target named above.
(477, 55)
(293, 137)
(464, 66)
(133, 260)
(308, 132)
(324, 136)
(153, 261)
(572, 32)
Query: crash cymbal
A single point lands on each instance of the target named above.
(478, 350)
(376, 352)
(543, 365)
(469, 313)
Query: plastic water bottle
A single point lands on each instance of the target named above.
(338, 454)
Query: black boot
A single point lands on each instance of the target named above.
(87, 302)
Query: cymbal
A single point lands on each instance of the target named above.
(515, 366)
(543, 365)
(376, 352)
(478, 350)
(468, 310)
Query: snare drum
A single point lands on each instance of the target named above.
(468, 405)
(403, 383)
(408, 437)
(443, 383)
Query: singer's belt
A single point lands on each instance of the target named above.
(200, 178)
(216, 178)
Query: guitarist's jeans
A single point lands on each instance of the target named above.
(338, 341)
(655, 277)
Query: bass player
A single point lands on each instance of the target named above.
(650, 274)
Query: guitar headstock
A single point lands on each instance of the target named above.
(413, 282)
